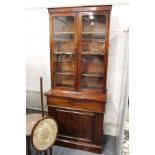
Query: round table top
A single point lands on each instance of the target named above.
(31, 120)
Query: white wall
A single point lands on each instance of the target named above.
(123, 101)
(70, 3)
(38, 58)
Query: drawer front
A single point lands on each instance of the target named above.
(78, 125)
(76, 104)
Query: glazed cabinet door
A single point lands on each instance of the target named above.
(63, 43)
(92, 51)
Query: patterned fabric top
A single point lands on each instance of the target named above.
(44, 134)
(31, 120)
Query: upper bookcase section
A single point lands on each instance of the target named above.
(79, 41)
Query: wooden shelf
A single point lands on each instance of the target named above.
(63, 53)
(99, 40)
(61, 62)
(64, 73)
(59, 33)
(92, 75)
(99, 88)
(92, 53)
(93, 33)
(65, 85)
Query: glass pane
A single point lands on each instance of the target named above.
(92, 51)
(64, 53)
(63, 24)
(92, 65)
(93, 34)
(64, 63)
(63, 80)
(92, 83)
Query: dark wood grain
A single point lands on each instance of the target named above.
(28, 145)
(83, 95)
(98, 129)
(76, 49)
(51, 50)
(74, 125)
(79, 52)
(76, 104)
(79, 145)
(51, 151)
(41, 95)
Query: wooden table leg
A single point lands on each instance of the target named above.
(28, 145)
(51, 151)
(45, 152)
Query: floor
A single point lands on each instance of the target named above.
(125, 147)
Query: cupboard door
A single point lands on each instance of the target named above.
(92, 50)
(64, 50)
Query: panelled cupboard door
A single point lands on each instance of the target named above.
(92, 50)
(63, 52)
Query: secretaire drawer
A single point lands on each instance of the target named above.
(76, 104)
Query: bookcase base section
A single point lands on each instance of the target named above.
(78, 129)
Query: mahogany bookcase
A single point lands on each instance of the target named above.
(79, 41)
